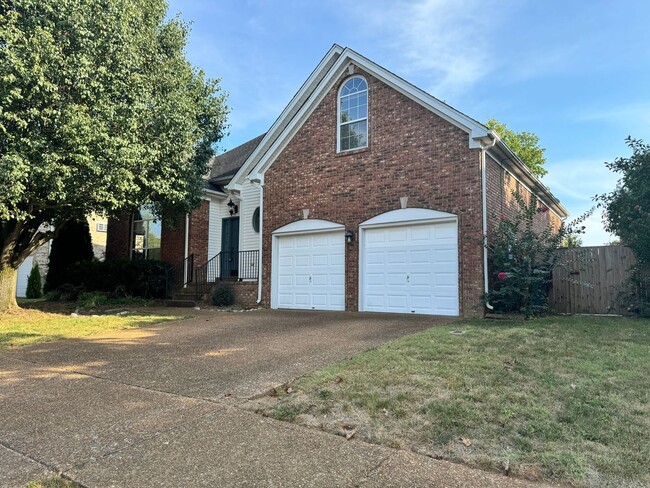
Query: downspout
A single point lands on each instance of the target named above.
(484, 147)
(187, 248)
(259, 266)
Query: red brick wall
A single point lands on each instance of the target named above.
(172, 245)
(245, 293)
(199, 221)
(118, 238)
(412, 152)
(501, 204)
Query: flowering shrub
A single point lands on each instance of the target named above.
(521, 260)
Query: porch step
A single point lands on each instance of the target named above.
(180, 303)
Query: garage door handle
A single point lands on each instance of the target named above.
(310, 279)
(408, 279)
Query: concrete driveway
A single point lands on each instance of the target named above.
(161, 406)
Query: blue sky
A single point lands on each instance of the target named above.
(576, 73)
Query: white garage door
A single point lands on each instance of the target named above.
(311, 271)
(23, 273)
(411, 269)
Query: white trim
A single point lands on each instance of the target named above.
(279, 125)
(539, 199)
(339, 124)
(407, 215)
(462, 121)
(261, 245)
(403, 217)
(308, 226)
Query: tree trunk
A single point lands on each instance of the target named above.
(8, 276)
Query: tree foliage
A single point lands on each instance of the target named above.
(523, 144)
(522, 258)
(71, 245)
(99, 111)
(627, 208)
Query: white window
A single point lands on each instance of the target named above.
(353, 114)
(147, 232)
(101, 226)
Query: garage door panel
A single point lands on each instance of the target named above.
(311, 272)
(411, 269)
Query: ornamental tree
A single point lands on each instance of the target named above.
(523, 144)
(522, 258)
(100, 111)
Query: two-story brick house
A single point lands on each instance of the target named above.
(366, 194)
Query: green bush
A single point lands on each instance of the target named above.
(113, 279)
(634, 294)
(521, 260)
(71, 245)
(34, 287)
(223, 295)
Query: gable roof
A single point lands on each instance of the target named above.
(226, 165)
(320, 82)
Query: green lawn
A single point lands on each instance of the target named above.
(23, 327)
(559, 399)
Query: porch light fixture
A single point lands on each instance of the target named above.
(349, 236)
(233, 207)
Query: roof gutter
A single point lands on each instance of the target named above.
(485, 142)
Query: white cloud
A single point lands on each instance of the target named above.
(442, 39)
(578, 180)
(634, 116)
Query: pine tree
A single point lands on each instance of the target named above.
(34, 287)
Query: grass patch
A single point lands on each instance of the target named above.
(55, 482)
(558, 399)
(24, 327)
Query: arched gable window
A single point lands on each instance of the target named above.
(353, 114)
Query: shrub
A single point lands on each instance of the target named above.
(522, 260)
(634, 294)
(144, 279)
(34, 287)
(71, 245)
(223, 295)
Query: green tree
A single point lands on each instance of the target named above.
(34, 288)
(99, 112)
(71, 245)
(523, 144)
(627, 208)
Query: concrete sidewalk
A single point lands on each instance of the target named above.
(98, 411)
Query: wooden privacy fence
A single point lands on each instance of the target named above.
(588, 279)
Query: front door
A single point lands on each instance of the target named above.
(230, 247)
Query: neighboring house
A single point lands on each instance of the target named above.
(366, 194)
(98, 230)
(98, 226)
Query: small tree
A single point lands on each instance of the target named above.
(72, 245)
(34, 287)
(522, 259)
(627, 214)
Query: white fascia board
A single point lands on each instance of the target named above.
(275, 129)
(533, 182)
(474, 129)
(214, 193)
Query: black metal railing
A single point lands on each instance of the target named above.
(242, 265)
(180, 275)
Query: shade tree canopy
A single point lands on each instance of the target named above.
(100, 111)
